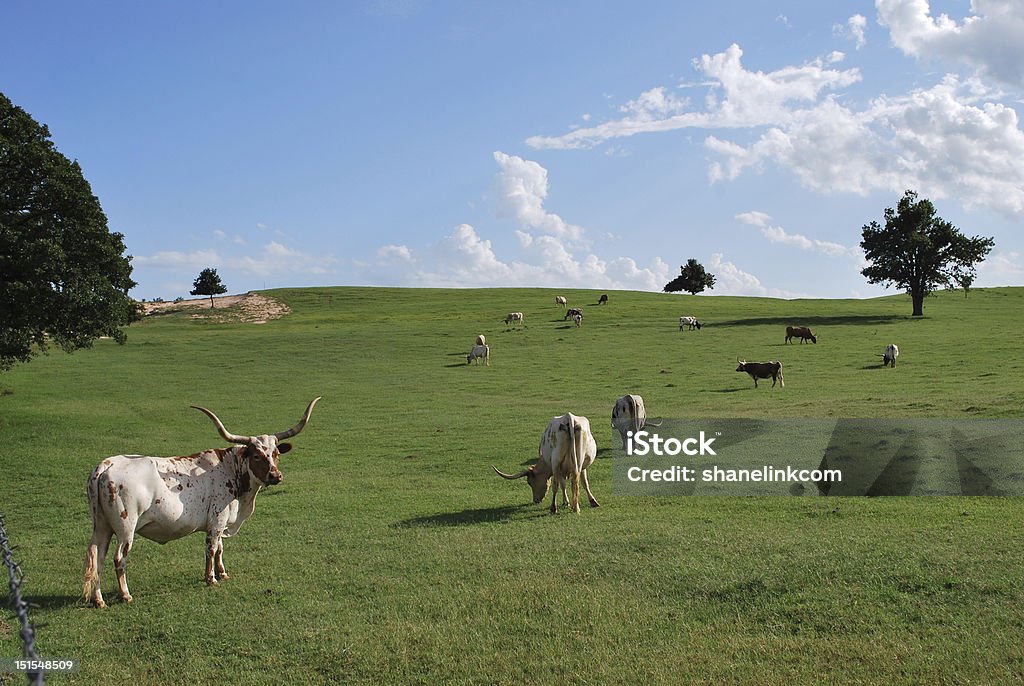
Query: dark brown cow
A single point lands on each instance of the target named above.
(603, 299)
(801, 332)
(763, 370)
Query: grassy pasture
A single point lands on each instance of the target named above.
(392, 554)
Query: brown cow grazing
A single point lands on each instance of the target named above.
(603, 300)
(801, 332)
(763, 370)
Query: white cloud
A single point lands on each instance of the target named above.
(1001, 269)
(731, 280)
(988, 41)
(548, 251)
(855, 28)
(776, 234)
(936, 140)
(748, 99)
(521, 187)
(175, 259)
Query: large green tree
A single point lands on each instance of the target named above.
(208, 283)
(692, 278)
(64, 277)
(919, 251)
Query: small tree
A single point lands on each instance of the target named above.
(64, 277)
(920, 251)
(692, 279)
(208, 283)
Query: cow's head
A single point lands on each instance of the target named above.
(814, 339)
(262, 452)
(743, 365)
(537, 478)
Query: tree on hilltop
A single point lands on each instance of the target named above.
(208, 283)
(64, 277)
(919, 251)
(692, 279)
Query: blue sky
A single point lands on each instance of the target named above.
(563, 144)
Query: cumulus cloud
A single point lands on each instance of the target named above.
(935, 140)
(548, 251)
(737, 98)
(988, 41)
(521, 187)
(731, 280)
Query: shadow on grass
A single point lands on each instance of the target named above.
(466, 517)
(59, 602)
(813, 321)
(729, 390)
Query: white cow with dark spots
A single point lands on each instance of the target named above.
(166, 498)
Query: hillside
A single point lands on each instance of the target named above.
(391, 553)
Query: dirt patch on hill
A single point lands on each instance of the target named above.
(250, 307)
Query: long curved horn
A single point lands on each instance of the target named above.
(519, 475)
(281, 435)
(225, 434)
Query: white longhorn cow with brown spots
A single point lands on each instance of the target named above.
(567, 448)
(166, 498)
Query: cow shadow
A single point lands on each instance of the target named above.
(815, 320)
(54, 602)
(466, 517)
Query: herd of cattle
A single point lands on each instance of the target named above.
(166, 498)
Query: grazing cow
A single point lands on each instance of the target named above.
(480, 352)
(577, 319)
(891, 353)
(567, 448)
(513, 317)
(690, 323)
(763, 370)
(603, 300)
(560, 300)
(166, 498)
(628, 415)
(572, 312)
(801, 332)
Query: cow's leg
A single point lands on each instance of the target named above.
(95, 556)
(554, 494)
(218, 560)
(755, 382)
(586, 486)
(124, 546)
(213, 542)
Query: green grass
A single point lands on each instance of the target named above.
(393, 554)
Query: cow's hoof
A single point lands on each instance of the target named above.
(127, 598)
(211, 581)
(223, 575)
(98, 602)
(594, 503)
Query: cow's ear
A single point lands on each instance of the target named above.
(284, 447)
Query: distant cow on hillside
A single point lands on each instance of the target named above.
(514, 317)
(801, 332)
(891, 353)
(603, 300)
(572, 312)
(560, 300)
(690, 323)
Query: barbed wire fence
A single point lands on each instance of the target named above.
(16, 578)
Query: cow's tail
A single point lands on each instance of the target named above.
(782, 381)
(91, 575)
(576, 441)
